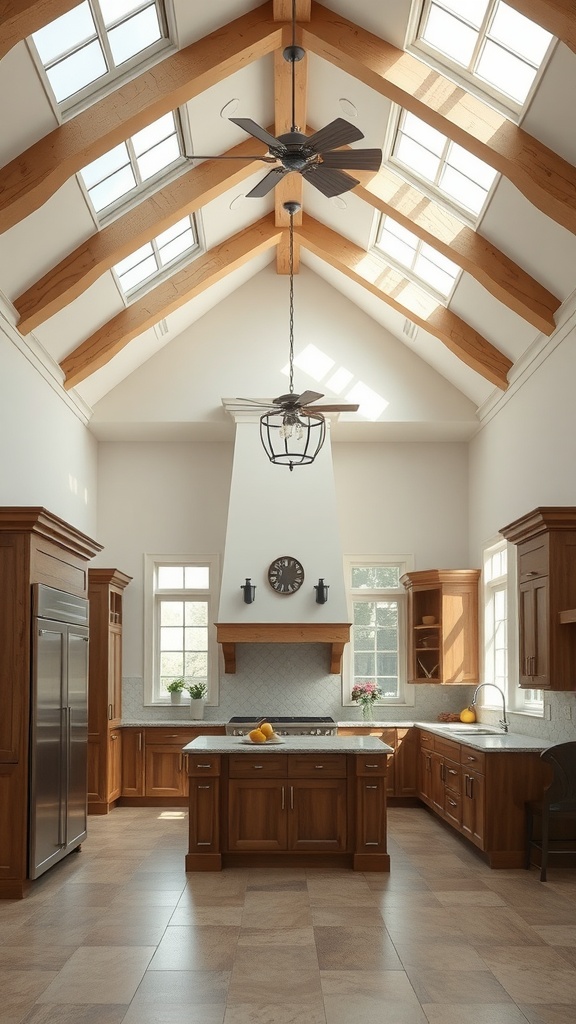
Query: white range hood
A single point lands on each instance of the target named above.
(275, 512)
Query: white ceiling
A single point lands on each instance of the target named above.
(147, 389)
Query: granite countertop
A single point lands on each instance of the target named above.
(290, 745)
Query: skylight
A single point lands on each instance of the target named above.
(133, 164)
(487, 39)
(410, 252)
(451, 170)
(152, 259)
(96, 40)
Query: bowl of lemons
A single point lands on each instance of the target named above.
(263, 733)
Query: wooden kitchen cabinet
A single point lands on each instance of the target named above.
(441, 776)
(546, 542)
(402, 766)
(445, 650)
(105, 594)
(165, 772)
(153, 765)
(132, 762)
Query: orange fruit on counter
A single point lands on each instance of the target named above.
(257, 736)
(468, 715)
(267, 729)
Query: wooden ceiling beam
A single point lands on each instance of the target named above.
(291, 187)
(97, 254)
(556, 16)
(495, 271)
(20, 18)
(409, 300)
(168, 296)
(546, 179)
(31, 178)
(282, 10)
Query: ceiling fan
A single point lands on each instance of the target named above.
(318, 157)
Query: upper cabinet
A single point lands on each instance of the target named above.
(546, 540)
(442, 625)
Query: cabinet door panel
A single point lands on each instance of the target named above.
(204, 829)
(473, 800)
(370, 816)
(406, 763)
(114, 765)
(257, 816)
(317, 816)
(132, 762)
(165, 774)
(534, 614)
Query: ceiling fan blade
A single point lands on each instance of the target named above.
(354, 159)
(250, 126)
(328, 181)
(269, 181)
(331, 408)
(337, 133)
(309, 396)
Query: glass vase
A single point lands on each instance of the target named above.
(367, 713)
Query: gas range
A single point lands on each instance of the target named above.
(294, 726)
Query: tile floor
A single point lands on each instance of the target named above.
(119, 933)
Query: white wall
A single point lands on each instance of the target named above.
(47, 455)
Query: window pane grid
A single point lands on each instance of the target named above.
(427, 264)
(376, 645)
(151, 259)
(183, 641)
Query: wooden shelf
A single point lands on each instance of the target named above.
(335, 634)
(568, 616)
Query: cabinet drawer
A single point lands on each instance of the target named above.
(470, 758)
(203, 764)
(251, 766)
(447, 748)
(427, 739)
(371, 764)
(176, 736)
(453, 807)
(533, 559)
(306, 766)
(452, 777)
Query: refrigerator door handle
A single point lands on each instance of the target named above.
(63, 809)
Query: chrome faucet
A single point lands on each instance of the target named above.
(503, 721)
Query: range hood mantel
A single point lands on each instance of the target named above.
(335, 634)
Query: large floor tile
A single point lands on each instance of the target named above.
(99, 974)
(355, 948)
(200, 948)
(448, 986)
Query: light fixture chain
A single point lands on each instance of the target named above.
(291, 237)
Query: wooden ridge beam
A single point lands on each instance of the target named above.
(409, 300)
(556, 16)
(503, 278)
(31, 178)
(97, 254)
(546, 179)
(168, 296)
(20, 18)
(291, 187)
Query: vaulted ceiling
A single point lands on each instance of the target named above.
(519, 263)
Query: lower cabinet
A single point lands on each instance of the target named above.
(481, 795)
(114, 764)
(401, 771)
(153, 765)
(287, 814)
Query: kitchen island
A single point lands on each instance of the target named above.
(305, 801)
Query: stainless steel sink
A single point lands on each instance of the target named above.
(467, 731)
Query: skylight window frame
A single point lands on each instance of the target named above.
(466, 77)
(163, 272)
(409, 272)
(116, 74)
(432, 189)
(144, 188)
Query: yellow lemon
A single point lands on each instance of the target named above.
(257, 736)
(267, 729)
(468, 715)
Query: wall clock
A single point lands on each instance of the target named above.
(285, 575)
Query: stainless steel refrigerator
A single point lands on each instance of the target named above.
(59, 727)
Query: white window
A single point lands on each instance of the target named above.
(180, 636)
(377, 603)
(487, 41)
(135, 165)
(152, 259)
(426, 264)
(97, 42)
(449, 170)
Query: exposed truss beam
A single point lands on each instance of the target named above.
(546, 179)
(20, 18)
(194, 279)
(556, 16)
(77, 271)
(503, 278)
(388, 285)
(291, 188)
(31, 178)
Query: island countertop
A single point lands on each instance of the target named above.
(290, 745)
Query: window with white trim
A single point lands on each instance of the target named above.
(425, 264)
(488, 42)
(377, 605)
(152, 260)
(97, 42)
(181, 600)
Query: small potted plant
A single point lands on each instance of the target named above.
(175, 689)
(197, 693)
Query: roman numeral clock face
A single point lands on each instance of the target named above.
(285, 575)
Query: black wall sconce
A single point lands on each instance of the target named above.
(321, 589)
(249, 591)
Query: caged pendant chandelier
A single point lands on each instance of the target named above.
(292, 435)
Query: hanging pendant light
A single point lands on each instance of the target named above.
(292, 435)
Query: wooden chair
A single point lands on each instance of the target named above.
(556, 810)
